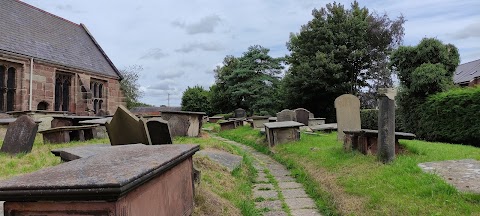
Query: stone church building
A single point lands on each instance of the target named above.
(49, 63)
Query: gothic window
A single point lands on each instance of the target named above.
(7, 88)
(62, 91)
(98, 95)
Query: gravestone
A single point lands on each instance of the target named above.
(348, 114)
(184, 123)
(302, 115)
(158, 131)
(126, 128)
(286, 115)
(386, 125)
(20, 136)
(240, 113)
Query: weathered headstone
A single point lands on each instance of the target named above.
(386, 125)
(286, 115)
(184, 123)
(282, 132)
(158, 131)
(20, 136)
(348, 114)
(126, 128)
(302, 115)
(240, 113)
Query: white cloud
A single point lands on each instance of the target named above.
(210, 46)
(205, 25)
(155, 53)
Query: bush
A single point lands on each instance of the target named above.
(369, 119)
(452, 116)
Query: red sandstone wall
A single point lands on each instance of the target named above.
(44, 86)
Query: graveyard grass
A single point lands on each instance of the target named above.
(355, 184)
(219, 193)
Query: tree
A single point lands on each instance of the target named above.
(423, 70)
(250, 82)
(196, 99)
(339, 51)
(130, 86)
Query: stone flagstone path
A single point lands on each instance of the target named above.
(275, 187)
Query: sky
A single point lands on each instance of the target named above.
(179, 43)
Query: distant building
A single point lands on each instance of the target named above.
(50, 63)
(467, 74)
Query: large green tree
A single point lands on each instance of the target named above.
(250, 82)
(339, 51)
(196, 99)
(130, 86)
(423, 70)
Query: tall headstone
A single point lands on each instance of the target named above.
(386, 125)
(286, 115)
(240, 113)
(20, 136)
(158, 131)
(348, 114)
(302, 115)
(126, 128)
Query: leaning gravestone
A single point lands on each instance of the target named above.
(286, 115)
(159, 131)
(302, 115)
(386, 124)
(20, 136)
(348, 114)
(240, 113)
(126, 128)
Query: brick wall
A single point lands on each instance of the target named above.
(43, 85)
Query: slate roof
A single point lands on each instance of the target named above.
(467, 72)
(30, 31)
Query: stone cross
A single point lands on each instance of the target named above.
(348, 114)
(240, 113)
(20, 136)
(386, 125)
(302, 115)
(286, 115)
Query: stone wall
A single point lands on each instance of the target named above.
(43, 84)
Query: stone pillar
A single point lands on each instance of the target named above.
(386, 125)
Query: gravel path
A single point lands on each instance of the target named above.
(274, 187)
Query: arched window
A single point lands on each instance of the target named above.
(95, 92)
(2, 86)
(100, 90)
(11, 89)
(98, 94)
(95, 104)
(62, 91)
(100, 103)
(42, 106)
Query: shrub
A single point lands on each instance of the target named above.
(369, 119)
(452, 116)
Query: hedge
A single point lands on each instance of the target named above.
(369, 119)
(452, 116)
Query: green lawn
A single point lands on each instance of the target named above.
(355, 184)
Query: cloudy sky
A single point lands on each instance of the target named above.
(180, 42)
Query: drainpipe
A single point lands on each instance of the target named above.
(31, 84)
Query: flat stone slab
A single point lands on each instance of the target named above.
(105, 176)
(324, 127)
(267, 194)
(300, 203)
(374, 133)
(294, 193)
(289, 185)
(275, 213)
(230, 161)
(101, 121)
(74, 153)
(264, 187)
(305, 212)
(284, 179)
(270, 204)
(462, 174)
(283, 124)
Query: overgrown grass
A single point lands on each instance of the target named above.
(236, 186)
(39, 158)
(352, 183)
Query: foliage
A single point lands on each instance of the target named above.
(339, 51)
(452, 116)
(356, 184)
(130, 86)
(423, 70)
(250, 82)
(369, 119)
(196, 99)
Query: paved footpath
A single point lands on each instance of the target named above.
(274, 183)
